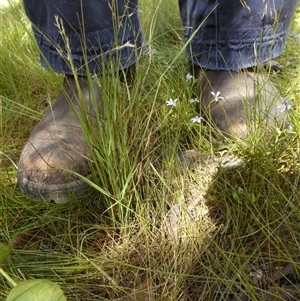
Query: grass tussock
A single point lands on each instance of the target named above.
(152, 228)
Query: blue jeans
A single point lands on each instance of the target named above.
(235, 34)
(221, 34)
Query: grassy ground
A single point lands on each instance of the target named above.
(201, 234)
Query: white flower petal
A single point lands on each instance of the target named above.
(194, 100)
(197, 119)
(216, 96)
(152, 52)
(171, 102)
(188, 77)
(285, 106)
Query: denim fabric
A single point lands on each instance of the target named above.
(235, 34)
(93, 30)
(222, 34)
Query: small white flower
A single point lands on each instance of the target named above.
(194, 100)
(285, 106)
(188, 77)
(152, 52)
(216, 96)
(171, 103)
(197, 119)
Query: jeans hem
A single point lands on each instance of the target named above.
(122, 57)
(235, 56)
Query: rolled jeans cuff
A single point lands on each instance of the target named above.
(235, 34)
(83, 36)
